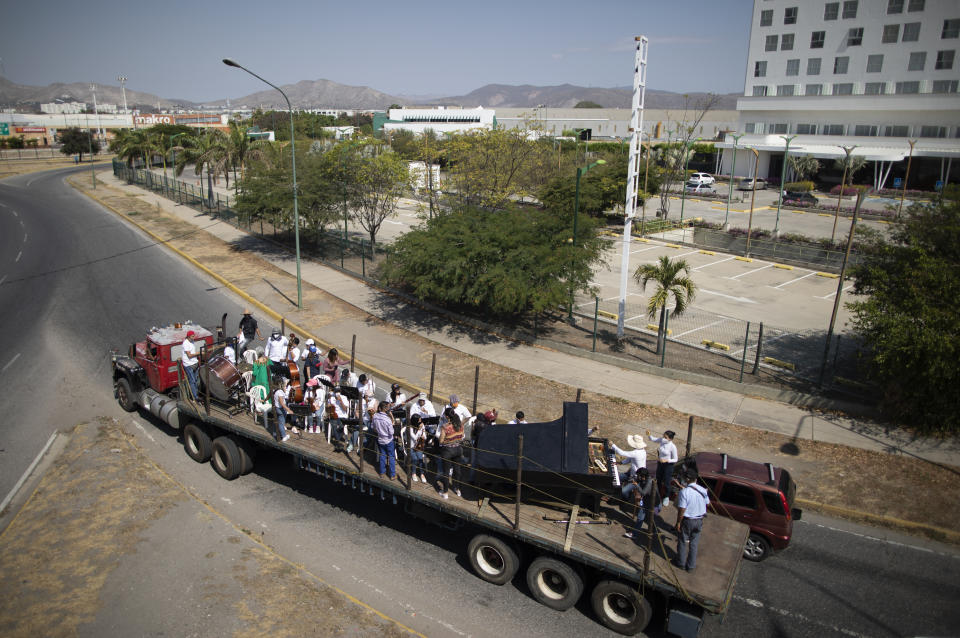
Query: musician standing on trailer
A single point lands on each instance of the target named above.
(249, 328)
(667, 457)
(383, 426)
(190, 362)
(276, 352)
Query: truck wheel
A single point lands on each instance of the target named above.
(125, 395)
(225, 458)
(197, 443)
(620, 607)
(757, 548)
(248, 453)
(493, 559)
(554, 583)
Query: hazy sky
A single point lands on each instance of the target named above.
(408, 47)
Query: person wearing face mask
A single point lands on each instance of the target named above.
(276, 352)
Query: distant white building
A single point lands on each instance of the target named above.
(439, 120)
(63, 107)
(875, 74)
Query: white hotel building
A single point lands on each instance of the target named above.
(875, 74)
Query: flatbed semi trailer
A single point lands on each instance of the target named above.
(564, 550)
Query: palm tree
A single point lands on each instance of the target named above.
(207, 151)
(851, 164)
(803, 166)
(672, 278)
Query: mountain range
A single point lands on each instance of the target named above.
(326, 94)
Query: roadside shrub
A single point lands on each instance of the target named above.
(847, 190)
(803, 187)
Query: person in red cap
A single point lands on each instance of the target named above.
(190, 361)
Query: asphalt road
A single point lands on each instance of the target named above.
(86, 282)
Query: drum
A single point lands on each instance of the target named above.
(223, 376)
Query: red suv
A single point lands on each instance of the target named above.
(757, 494)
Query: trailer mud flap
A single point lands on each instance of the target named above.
(684, 619)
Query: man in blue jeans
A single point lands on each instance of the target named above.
(383, 426)
(692, 504)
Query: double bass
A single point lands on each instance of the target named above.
(296, 384)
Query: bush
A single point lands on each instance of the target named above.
(847, 190)
(802, 187)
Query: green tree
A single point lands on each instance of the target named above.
(77, 142)
(381, 180)
(803, 166)
(587, 104)
(511, 261)
(907, 316)
(672, 278)
(852, 163)
(207, 152)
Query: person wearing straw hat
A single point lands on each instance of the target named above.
(637, 457)
(249, 329)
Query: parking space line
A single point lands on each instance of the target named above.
(751, 271)
(719, 261)
(633, 252)
(835, 292)
(720, 294)
(634, 318)
(787, 283)
(698, 328)
(692, 252)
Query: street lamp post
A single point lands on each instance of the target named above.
(753, 197)
(93, 89)
(293, 158)
(93, 175)
(733, 167)
(123, 89)
(783, 175)
(576, 212)
(843, 180)
(646, 175)
(903, 193)
(683, 182)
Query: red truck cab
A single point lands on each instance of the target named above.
(159, 353)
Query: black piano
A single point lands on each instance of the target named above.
(562, 464)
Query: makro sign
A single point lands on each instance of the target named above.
(31, 129)
(150, 120)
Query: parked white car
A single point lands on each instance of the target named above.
(701, 178)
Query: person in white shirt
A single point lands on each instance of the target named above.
(519, 418)
(190, 362)
(315, 397)
(276, 352)
(229, 353)
(422, 407)
(692, 502)
(338, 408)
(666, 458)
(637, 457)
(293, 350)
(283, 411)
(414, 437)
(461, 411)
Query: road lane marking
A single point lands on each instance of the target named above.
(10, 363)
(787, 283)
(835, 292)
(145, 433)
(19, 255)
(744, 274)
(798, 616)
(719, 261)
(881, 540)
(720, 294)
(29, 470)
(3, 280)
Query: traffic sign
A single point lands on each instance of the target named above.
(897, 182)
(939, 185)
(4, 128)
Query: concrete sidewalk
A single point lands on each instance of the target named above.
(388, 349)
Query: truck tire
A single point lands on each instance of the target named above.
(493, 559)
(196, 443)
(248, 452)
(620, 607)
(225, 458)
(554, 583)
(757, 548)
(125, 395)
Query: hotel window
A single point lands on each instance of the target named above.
(891, 33)
(944, 60)
(933, 131)
(855, 37)
(832, 129)
(766, 17)
(945, 86)
(771, 43)
(806, 129)
(875, 88)
(793, 67)
(916, 5)
(840, 64)
(918, 60)
(907, 87)
(813, 66)
(778, 129)
(786, 42)
(813, 89)
(750, 127)
(865, 130)
(831, 10)
(759, 91)
(790, 15)
(817, 38)
(874, 63)
(951, 29)
(895, 131)
(843, 89)
(894, 6)
(760, 69)
(784, 90)
(911, 32)
(849, 9)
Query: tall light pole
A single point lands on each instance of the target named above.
(576, 213)
(733, 167)
(753, 198)
(123, 89)
(846, 164)
(686, 165)
(293, 158)
(93, 89)
(783, 175)
(903, 193)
